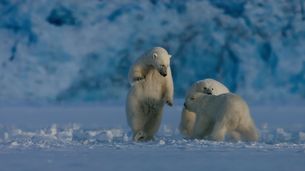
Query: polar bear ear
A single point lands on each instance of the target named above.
(169, 55)
(155, 55)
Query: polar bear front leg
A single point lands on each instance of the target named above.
(136, 74)
(248, 133)
(234, 136)
(187, 122)
(218, 133)
(201, 127)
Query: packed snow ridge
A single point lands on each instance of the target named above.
(73, 135)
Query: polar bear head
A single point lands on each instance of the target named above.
(160, 60)
(196, 101)
(210, 87)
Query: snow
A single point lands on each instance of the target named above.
(96, 137)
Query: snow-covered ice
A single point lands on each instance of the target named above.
(96, 137)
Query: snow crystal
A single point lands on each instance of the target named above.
(162, 142)
(113, 133)
(53, 130)
(109, 135)
(14, 143)
(282, 134)
(125, 138)
(93, 133)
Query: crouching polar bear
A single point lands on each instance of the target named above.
(151, 87)
(207, 86)
(221, 116)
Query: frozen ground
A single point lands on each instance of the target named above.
(96, 137)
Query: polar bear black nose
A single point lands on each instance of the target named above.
(207, 91)
(163, 72)
(184, 104)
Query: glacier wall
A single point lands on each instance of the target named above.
(75, 50)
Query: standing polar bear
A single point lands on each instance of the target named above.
(207, 86)
(151, 87)
(218, 116)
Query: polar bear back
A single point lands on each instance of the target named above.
(216, 106)
(227, 105)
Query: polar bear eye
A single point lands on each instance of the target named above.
(162, 66)
(205, 88)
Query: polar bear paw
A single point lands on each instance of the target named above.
(169, 102)
(139, 78)
(140, 136)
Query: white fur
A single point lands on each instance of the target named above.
(187, 117)
(220, 116)
(151, 87)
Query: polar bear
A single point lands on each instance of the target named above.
(207, 86)
(218, 117)
(151, 87)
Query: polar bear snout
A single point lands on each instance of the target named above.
(208, 91)
(163, 72)
(187, 105)
(190, 101)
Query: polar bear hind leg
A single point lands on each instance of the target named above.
(249, 133)
(149, 124)
(234, 136)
